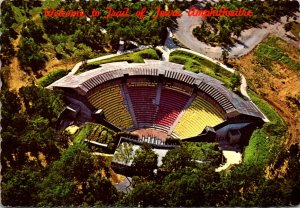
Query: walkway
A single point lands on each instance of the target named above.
(232, 158)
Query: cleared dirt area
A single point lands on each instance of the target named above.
(275, 86)
(17, 77)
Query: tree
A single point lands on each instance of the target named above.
(145, 194)
(145, 162)
(205, 152)
(124, 153)
(7, 32)
(183, 188)
(57, 190)
(31, 30)
(44, 102)
(83, 52)
(202, 32)
(30, 129)
(225, 56)
(20, 187)
(11, 105)
(99, 191)
(235, 80)
(177, 159)
(66, 181)
(31, 55)
(288, 26)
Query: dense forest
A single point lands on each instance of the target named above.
(43, 165)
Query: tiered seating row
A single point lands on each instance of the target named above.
(216, 95)
(97, 80)
(171, 104)
(111, 101)
(199, 115)
(147, 113)
(142, 99)
(180, 76)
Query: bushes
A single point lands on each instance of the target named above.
(31, 55)
(52, 77)
(83, 133)
(97, 133)
(235, 80)
(269, 50)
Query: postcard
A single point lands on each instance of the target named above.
(150, 103)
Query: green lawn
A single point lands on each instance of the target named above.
(265, 142)
(198, 64)
(136, 57)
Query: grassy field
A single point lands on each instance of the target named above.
(269, 50)
(267, 141)
(198, 64)
(136, 57)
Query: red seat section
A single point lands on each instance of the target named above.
(143, 103)
(171, 104)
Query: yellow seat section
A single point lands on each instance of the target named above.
(111, 101)
(196, 117)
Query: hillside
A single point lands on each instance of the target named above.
(272, 71)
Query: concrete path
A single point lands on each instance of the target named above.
(232, 158)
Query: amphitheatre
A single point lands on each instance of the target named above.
(160, 99)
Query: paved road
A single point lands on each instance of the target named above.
(184, 34)
(246, 42)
